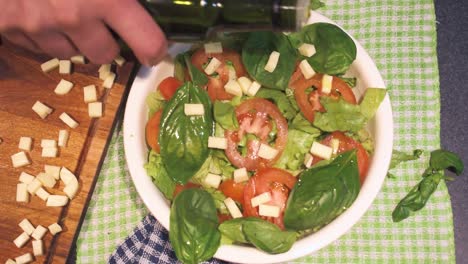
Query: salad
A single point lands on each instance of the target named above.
(258, 139)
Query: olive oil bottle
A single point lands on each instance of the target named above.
(194, 20)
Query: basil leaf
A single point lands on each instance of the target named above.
(184, 139)
(262, 234)
(399, 157)
(340, 115)
(322, 193)
(371, 101)
(198, 78)
(351, 81)
(335, 49)
(193, 228)
(155, 169)
(256, 52)
(179, 67)
(225, 115)
(417, 198)
(279, 98)
(443, 159)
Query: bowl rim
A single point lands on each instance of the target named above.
(134, 145)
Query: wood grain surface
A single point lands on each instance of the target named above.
(22, 83)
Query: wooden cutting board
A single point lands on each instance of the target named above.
(22, 83)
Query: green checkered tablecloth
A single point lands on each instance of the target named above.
(401, 37)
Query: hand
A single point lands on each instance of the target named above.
(63, 28)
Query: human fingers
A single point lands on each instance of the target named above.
(136, 27)
(54, 43)
(94, 40)
(20, 39)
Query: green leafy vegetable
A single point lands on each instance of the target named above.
(371, 101)
(351, 81)
(400, 156)
(335, 49)
(161, 179)
(184, 139)
(155, 101)
(262, 234)
(316, 4)
(179, 67)
(340, 115)
(225, 115)
(198, 78)
(193, 229)
(220, 165)
(418, 196)
(256, 53)
(218, 198)
(298, 145)
(300, 123)
(322, 193)
(280, 99)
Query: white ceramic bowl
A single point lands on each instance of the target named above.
(381, 128)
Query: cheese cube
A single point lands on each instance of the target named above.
(306, 69)
(267, 152)
(194, 109)
(39, 232)
(119, 60)
(213, 180)
(253, 89)
(20, 159)
(327, 83)
(25, 143)
(55, 228)
(49, 152)
(26, 177)
(50, 65)
(67, 176)
(232, 208)
(46, 179)
(78, 59)
(272, 61)
(41, 109)
(213, 47)
(95, 109)
(260, 199)
(268, 210)
(90, 94)
(109, 80)
(64, 67)
(21, 240)
(71, 189)
(308, 159)
(10, 261)
(48, 143)
(53, 171)
(241, 175)
(43, 194)
(105, 68)
(27, 227)
(217, 142)
(68, 120)
(335, 144)
(34, 186)
(22, 195)
(244, 83)
(232, 73)
(38, 248)
(24, 259)
(57, 200)
(63, 138)
(307, 50)
(233, 87)
(320, 150)
(212, 66)
(63, 87)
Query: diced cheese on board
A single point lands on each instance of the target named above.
(55, 228)
(95, 109)
(63, 138)
(22, 194)
(41, 109)
(78, 59)
(39, 232)
(27, 226)
(20, 159)
(25, 143)
(38, 248)
(24, 259)
(49, 152)
(90, 93)
(21, 240)
(57, 200)
(68, 120)
(63, 87)
(109, 80)
(53, 171)
(50, 65)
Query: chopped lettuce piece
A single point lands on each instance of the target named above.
(280, 99)
(298, 145)
(371, 101)
(161, 179)
(155, 101)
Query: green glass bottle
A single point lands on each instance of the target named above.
(193, 20)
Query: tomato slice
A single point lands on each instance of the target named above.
(276, 181)
(180, 187)
(232, 189)
(216, 84)
(152, 131)
(310, 103)
(169, 86)
(347, 144)
(254, 117)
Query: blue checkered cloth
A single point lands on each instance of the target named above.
(149, 243)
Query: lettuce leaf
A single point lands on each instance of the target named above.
(280, 99)
(298, 145)
(371, 101)
(158, 173)
(155, 101)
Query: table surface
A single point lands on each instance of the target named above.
(452, 40)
